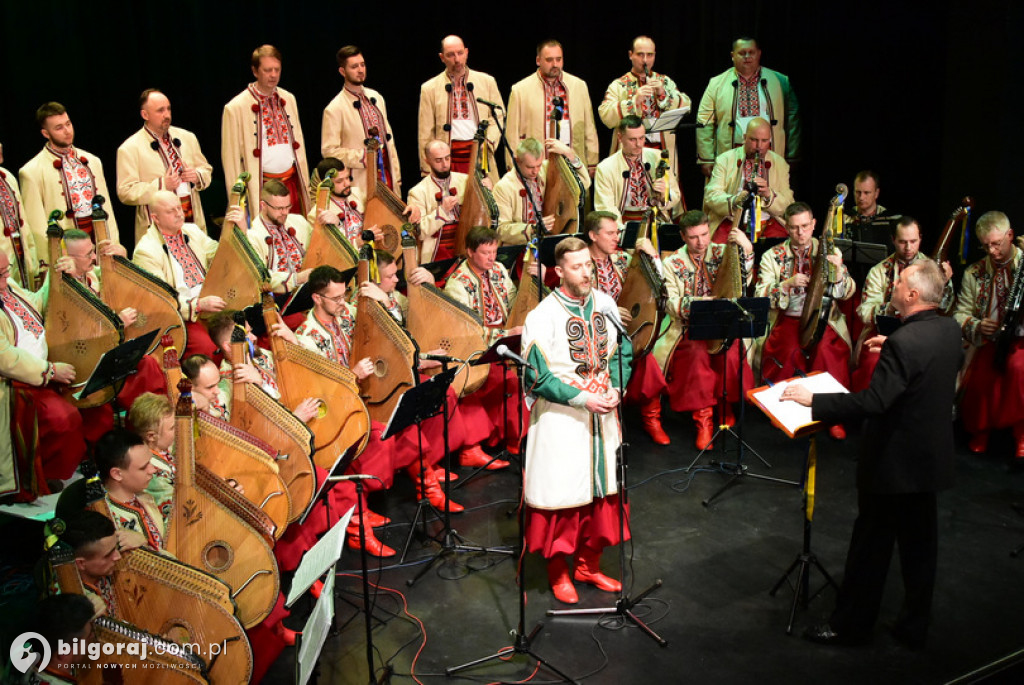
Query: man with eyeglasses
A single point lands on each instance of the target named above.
(279, 237)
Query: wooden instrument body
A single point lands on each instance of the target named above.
(564, 196)
(438, 322)
(126, 285)
(237, 273)
(384, 207)
(343, 421)
(479, 207)
(80, 328)
(165, 663)
(530, 292)
(728, 280)
(230, 453)
(644, 296)
(257, 413)
(213, 528)
(819, 301)
(960, 218)
(392, 352)
(327, 244)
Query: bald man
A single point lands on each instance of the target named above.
(451, 109)
(753, 163)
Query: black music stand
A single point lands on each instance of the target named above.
(860, 255)
(731, 321)
(116, 365)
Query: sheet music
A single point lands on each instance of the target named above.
(791, 415)
(314, 633)
(666, 121)
(318, 559)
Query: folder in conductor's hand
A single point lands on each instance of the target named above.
(792, 418)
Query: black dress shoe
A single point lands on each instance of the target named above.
(826, 635)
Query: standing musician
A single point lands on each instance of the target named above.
(783, 277)
(693, 376)
(570, 482)
(482, 284)
(261, 132)
(279, 237)
(451, 111)
(739, 94)
(161, 157)
(61, 177)
(179, 253)
(992, 395)
(533, 100)
(26, 375)
(628, 182)
(643, 93)
(17, 240)
(878, 289)
(347, 121)
(439, 196)
(516, 212)
(753, 166)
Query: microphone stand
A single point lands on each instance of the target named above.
(623, 604)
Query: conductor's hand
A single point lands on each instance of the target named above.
(798, 394)
(875, 342)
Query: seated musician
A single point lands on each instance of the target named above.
(347, 202)
(694, 377)
(483, 284)
(516, 213)
(125, 468)
(152, 418)
(877, 295)
(179, 254)
(439, 196)
(279, 237)
(34, 383)
(865, 200)
(61, 618)
(97, 547)
(992, 396)
(627, 182)
(753, 162)
(783, 277)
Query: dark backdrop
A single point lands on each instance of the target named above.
(921, 94)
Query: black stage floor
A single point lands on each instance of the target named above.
(717, 564)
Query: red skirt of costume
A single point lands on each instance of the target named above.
(782, 356)
(483, 409)
(860, 379)
(695, 377)
(150, 378)
(324, 513)
(47, 437)
(461, 150)
(566, 531)
(198, 341)
(647, 381)
(290, 179)
(994, 398)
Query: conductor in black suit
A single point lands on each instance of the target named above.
(906, 458)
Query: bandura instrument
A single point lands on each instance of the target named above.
(126, 285)
(165, 662)
(79, 327)
(436, 321)
(959, 220)
(388, 346)
(728, 280)
(215, 529)
(237, 273)
(258, 414)
(530, 292)
(643, 293)
(819, 299)
(327, 244)
(478, 205)
(383, 206)
(167, 598)
(564, 193)
(343, 422)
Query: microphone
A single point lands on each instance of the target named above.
(490, 104)
(612, 315)
(506, 353)
(354, 476)
(439, 358)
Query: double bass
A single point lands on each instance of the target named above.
(820, 300)
(565, 196)
(643, 293)
(126, 285)
(237, 273)
(478, 205)
(390, 349)
(383, 206)
(437, 321)
(80, 329)
(327, 243)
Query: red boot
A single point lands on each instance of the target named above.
(561, 582)
(705, 430)
(588, 570)
(730, 418)
(650, 417)
(978, 443)
(1018, 437)
(474, 457)
(373, 546)
(432, 489)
